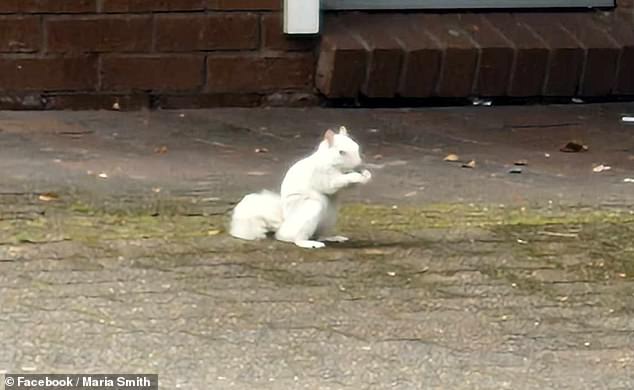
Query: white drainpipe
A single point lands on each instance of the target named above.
(301, 16)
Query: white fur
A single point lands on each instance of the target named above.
(256, 215)
(306, 211)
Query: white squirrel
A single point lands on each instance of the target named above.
(305, 212)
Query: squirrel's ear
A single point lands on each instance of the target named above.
(343, 130)
(329, 137)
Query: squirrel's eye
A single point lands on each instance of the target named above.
(342, 152)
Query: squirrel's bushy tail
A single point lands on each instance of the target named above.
(256, 215)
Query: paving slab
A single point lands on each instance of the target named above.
(114, 255)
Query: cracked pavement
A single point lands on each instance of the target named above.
(455, 278)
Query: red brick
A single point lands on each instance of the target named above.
(48, 74)
(622, 32)
(152, 73)
(460, 59)
(171, 102)
(421, 57)
(275, 39)
(382, 50)
(259, 74)
(342, 62)
(496, 56)
(602, 54)
(99, 34)
(531, 55)
(48, 6)
(229, 31)
(152, 5)
(566, 55)
(245, 4)
(20, 34)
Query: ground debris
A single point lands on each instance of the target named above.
(601, 168)
(161, 149)
(471, 164)
(574, 147)
(48, 196)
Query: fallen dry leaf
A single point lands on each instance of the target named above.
(261, 150)
(257, 173)
(574, 147)
(116, 106)
(378, 157)
(103, 175)
(48, 197)
(516, 170)
(470, 164)
(213, 232)
(452, 158)
(161, 150)
(601, 168)
(373, 251)
(521, 163)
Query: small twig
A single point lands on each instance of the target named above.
(555, 234)
(544, 126)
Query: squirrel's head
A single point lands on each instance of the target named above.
(340, 150)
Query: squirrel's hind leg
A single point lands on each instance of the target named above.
(326, 228)
(301, 224)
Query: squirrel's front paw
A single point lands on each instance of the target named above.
(360, 177)
(366, 176)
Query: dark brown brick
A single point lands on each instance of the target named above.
(461, 55)
(99, 34)
(565, 57)
(625, 3)
(253, 73)
(48, 6)
(622, 32)
(83, 101)
(275, 39)
(48, 74)
(496, 56)
(152, 73)
(152, 5)
(602, 54)
(20, 34)
(230, 31)
(531, 55)
(266, 5)
(171, 102)
(383, 52)
(422, 57)
(342, 62)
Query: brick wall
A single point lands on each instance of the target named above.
(158, 53)
(205, 53)
(625, 3)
